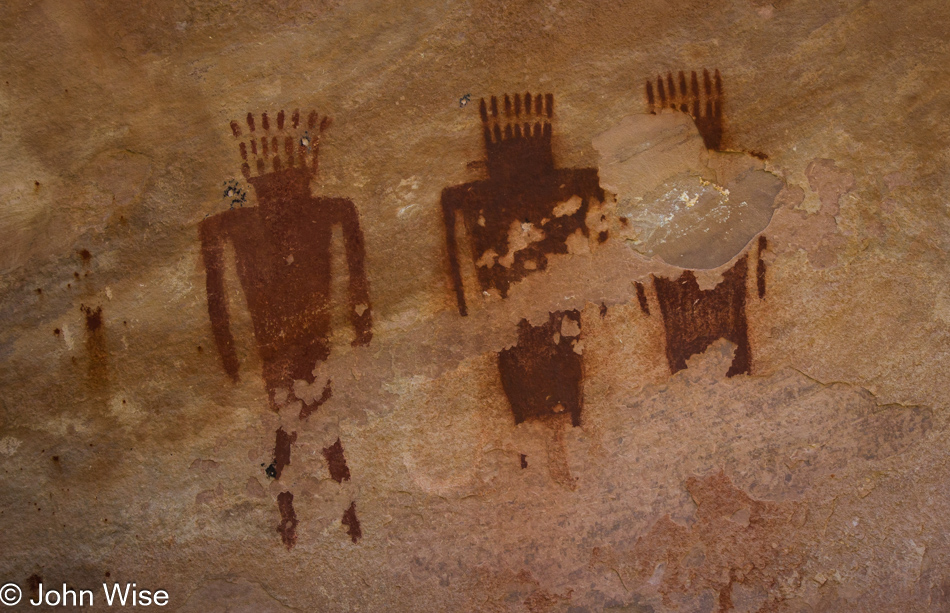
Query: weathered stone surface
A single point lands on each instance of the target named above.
(620, 339)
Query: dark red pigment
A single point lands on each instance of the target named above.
(288, 519)
(539, 374)
(283, 257)
(694, 319)
(523, 186)
(336, 462)
(704, 106)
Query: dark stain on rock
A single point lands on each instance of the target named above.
(96, 346)
(694, 319)
(39, 291)
(283, 255)
(642, 298)
(56, 332)
(761, 267)
(703, 105)
(33, 583)
(336, 462)
(282, 451)
(603, 236)
(524, 461)
(85, 256)
(520, 195)
(352, 523)
(288, 519)
(603, 309)
(93, 317)
(542, 374)
(306, 410)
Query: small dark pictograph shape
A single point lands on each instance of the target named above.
(703, 105)
(336, 462)
(281, 453)
(288, 519)
(542, 374)
(282, 252)
(352, 523)
(693, 318)
(520, 195)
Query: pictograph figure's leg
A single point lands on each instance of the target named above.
(288, 519)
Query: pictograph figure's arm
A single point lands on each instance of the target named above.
(361, 315)
(212, 252)
(449, 205)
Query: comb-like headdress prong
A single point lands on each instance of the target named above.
(289, 149)
(707, 83)
(283, 145)
(549, 105)
(483, 110)
(507, 106)
(651, 101)
(517, 105)
(494, 107)
(661, 91)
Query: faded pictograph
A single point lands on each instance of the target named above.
(282, 250)
(523, 211)
(527, 208)
(694, 318)
(542, 374)
(685, 200)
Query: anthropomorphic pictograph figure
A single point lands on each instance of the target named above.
(282, 249)
(525, 209)
(694, 318)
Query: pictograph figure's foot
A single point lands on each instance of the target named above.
(352, 523)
